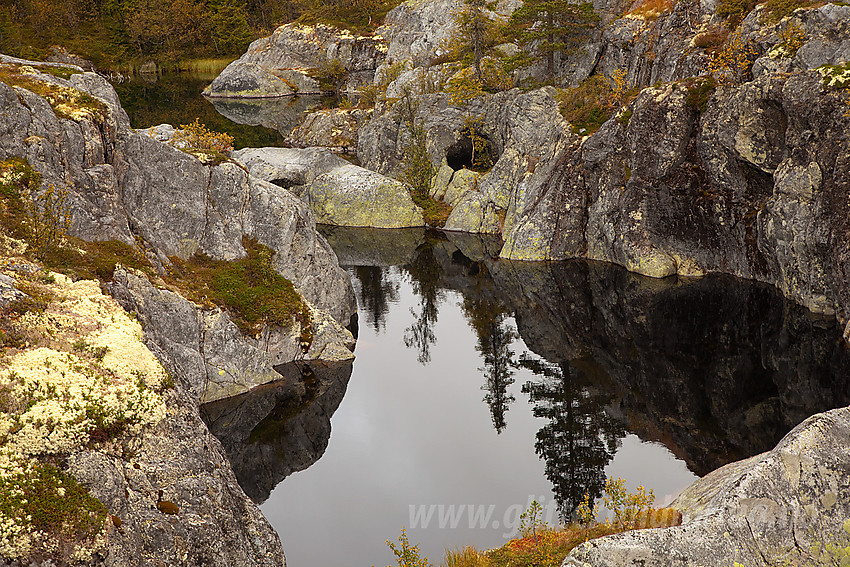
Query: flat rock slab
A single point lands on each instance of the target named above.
(788, 506)
(338, 192)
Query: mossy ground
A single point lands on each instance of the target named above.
(55, 504)
(436, 213)
(249, 288)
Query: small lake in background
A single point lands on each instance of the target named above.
(480, 384)
(175, 98)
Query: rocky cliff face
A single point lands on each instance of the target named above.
(750, 184)
(125, 185)
(90, 398)
(170, 491)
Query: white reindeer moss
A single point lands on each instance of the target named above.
(88, 378)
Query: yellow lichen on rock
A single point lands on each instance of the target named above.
(86, 378)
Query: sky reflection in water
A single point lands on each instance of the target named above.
(480, 384)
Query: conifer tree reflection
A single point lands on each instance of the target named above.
(425, 273)
(580, 438)
(377, 291)
(489, 320)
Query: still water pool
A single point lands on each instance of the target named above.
(481, 384)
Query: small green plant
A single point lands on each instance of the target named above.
(619, 87)
(585, 106)
(530, 521)
(699, 92)
(49, 506)
(407, 555)
(466, 557)
(417, 169)
(735, 10)
(626, 505)
(482, 153)
(791, 39)
(331, 74)
(48, 218)
(196, 139)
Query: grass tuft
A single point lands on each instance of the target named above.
(250, 289)
(436, 213)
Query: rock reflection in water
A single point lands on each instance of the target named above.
(278, 428)
(716, 368)
(281, 114)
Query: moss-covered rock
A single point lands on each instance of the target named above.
(353, 196)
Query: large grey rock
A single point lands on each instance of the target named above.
(208, 352)
(473, 213)
(276, 64)
(242, 79)
(785, 506)
(338, 192)
(335, 128)
(353, 196)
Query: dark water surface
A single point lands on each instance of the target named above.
(175, 98)
(480, 384)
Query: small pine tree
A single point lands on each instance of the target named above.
(545, 27)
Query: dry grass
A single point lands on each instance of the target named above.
(650, 9)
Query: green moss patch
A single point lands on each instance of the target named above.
(67, 102)
(54, 510)
(700, 90)
(588, 106)
(249, 288)
(436, 213)
(836, 76)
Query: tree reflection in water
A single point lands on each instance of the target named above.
(717, 369)
(489, 319)
(425, 274)
(377, 291)
(580, 438)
